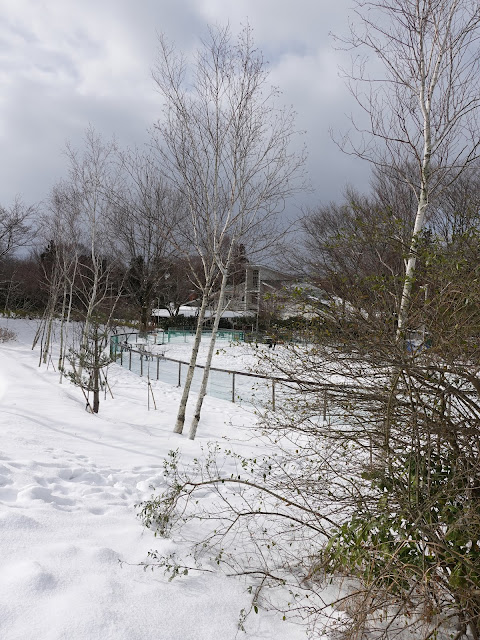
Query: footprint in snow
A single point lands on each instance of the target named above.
(41, 493)
(83, 476)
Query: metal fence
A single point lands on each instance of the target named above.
(132, 351)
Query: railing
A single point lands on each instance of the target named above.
(235, 386)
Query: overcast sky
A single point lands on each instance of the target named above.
(66, 64)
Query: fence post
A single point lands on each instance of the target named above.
(130, 360)
(121, 356)
(233, 386)
(273, 395)
(158, 365)
(141, 365)
(179, 374)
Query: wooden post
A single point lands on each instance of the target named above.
(141, 364)
(130, 360)
(158, 365)
(179, 374)
(273, 395)
(121, 356)
(153, 397)
(233, 386)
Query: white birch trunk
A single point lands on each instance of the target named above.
(208, 364)
(62, 329)
(67, 323)
(411, 266)
(47, 343)
(91, 306)
(425, 105)
(191, 367)
(40, 329)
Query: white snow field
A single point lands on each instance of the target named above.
(69, 481)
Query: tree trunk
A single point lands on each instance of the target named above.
(89, 314)
(191, 367)
(62, 329)
(208, 364)
(67, 323)
(48, 339)
(417, 230)
(410, 270)
(144, 318)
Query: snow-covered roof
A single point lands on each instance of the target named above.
(191, 312)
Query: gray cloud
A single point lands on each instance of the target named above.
(65, 64)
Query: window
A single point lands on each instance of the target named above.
(255, 279)
(254, 298)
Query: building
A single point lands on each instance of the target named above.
(253, 289)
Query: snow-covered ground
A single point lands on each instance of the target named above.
(69, 482)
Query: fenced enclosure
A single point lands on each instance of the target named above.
(331, 401)
(133, 352)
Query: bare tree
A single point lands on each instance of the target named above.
(16, 231)
(62, 231)
(91, 180)
(145, 216)
(97, 283)
(20, 285)
(177, 287)
(358, 245)
(52, 281)
(422, 108)
(225, 146)
(15, 226)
